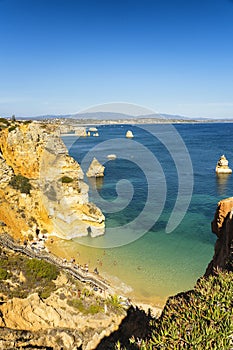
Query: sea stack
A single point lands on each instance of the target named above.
(129, 134)
(111, 156)
(222, 166)
(95, 169)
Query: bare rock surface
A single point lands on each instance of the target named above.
(222, 226)
(52, 322)
(58, 202)
(96, 169)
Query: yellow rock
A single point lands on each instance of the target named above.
(58, 202)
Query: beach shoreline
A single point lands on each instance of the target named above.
(56, 246)
(97, 281)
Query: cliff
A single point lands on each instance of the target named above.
(43, 308)
(222, 226)
(41, 186)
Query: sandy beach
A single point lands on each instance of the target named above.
(58, 247)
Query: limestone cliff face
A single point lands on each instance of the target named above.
(222, 226)
(52, 323)
(95, 169)
(58, 201)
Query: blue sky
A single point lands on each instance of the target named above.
(62, 56)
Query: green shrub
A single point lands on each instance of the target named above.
(21, 183)
(3, 274)
(77, 304)
(12, 128)
(114, 301)
(88, 309)
(66, 179)
(46, 291)
(39, 276)
(199, 319)
(4, 121)
(30, 237)
(40, 269)
(95, 309)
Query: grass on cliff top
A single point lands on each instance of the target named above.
(21, 276)
(86, 304)
(38, 274)
(4, 123)
(3, 274)
(199, 319)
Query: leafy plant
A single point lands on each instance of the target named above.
(4, 121)
(85, 309)
(21, 183)
(12, 128)
(40, 269)
(3, 274)
(66, 179)
(114, 302)
(199, 319)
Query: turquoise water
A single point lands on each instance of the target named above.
(155, 264)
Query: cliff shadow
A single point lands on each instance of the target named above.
(136, 323)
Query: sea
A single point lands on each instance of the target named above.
(159, 196)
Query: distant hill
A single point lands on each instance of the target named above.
(102, 116)
(95, 116)
(111, 116)
(115, 116)
(50, 116)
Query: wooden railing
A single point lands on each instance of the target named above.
(85, 277)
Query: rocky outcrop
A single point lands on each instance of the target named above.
(6, 173)
(222, 166)
(222, 226)
(80, 131)
(54, 317)
(129, 134)
(51, 339)
(95, 169)
(58, 200)
(59, 313)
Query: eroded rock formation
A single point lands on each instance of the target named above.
(129, 134)
(222, 166)
(69, 315)
(96, 169)
(222, 226)
(58, 200)
(52, 319)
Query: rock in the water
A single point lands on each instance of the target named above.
(129, 134)
(111, 156)
(222, 166)
(224, 208)
(222, 226)
(93, 129)
(95, 169)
